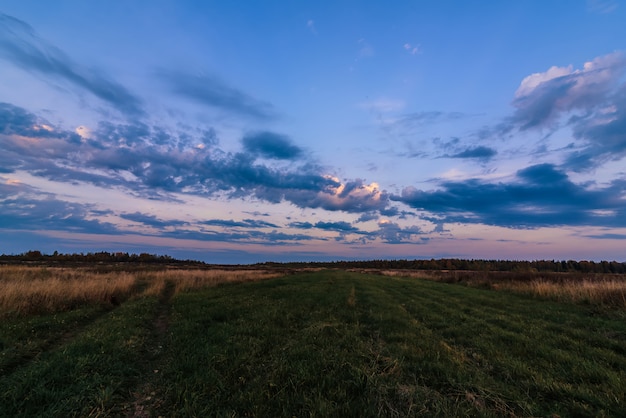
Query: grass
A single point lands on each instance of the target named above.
(327, 343)
(335, 344)
(36, 290)
(605, 290)
(88, 375)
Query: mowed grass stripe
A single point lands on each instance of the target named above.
(348, 344)
(562, 353)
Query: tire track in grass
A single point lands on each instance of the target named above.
(147, 397)
(51, 341)
(88, 375)
(542, 348)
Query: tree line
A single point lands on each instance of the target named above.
(454, 264)
(91, 257)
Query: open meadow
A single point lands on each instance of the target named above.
(164, 341)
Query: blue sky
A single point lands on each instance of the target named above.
(240, 132)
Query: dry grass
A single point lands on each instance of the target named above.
(185, 280)
(26, 290)
(604, 292)
(599, 289)
(31, 290)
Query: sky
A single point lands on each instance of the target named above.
(245, 132)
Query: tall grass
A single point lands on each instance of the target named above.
(27, 290)
(31, 290)
(606, 292)
(186, 280)
(600, 289)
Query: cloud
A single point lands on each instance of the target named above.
(480, 152)
(602, 6)
(602, 135)
(134, 156)
(271, 145)
(392, 233)
(310, 24)
(210, 91)
(365, 49)
(20, 45)
(608, 235)
(540, 195)
(543, 97)
(151, 220)
(301, 225)
(424, 118)
(412, 49)
(246, 223)
(341, 226)
(352, 196)
(383, 105)
(24, 208)
(590, 101)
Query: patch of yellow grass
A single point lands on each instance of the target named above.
(185, 280)
(352, 297)
(601, 290)
(27, 290)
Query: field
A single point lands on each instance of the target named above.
(172, 342)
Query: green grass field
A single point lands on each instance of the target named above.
(328, 343)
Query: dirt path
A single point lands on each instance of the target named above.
(146, 398)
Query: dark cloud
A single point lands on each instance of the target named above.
(20, 45)
(607, 236)
(246, 223)
(151, 220)
(211, 91)
(271, 145)
(480, 152)
(392, 233)
(341, 226)
(602, 134)
(368, 216)
(17, 121)
(540, 195)
(22, 211)
(301, 225)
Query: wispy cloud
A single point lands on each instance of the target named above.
(210, 91)
(365, 49)
(246, 223)
(602, 6)
(602, 135)
(412, 49)
(310, 24)
(25, 208)
(20, 45)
